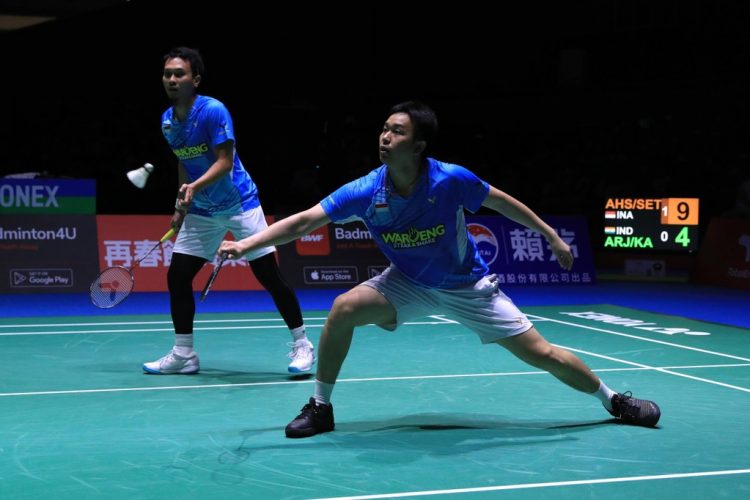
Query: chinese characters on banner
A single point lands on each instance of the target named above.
(521, 256)
(123, 239)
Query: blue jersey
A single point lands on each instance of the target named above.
(424, 235)
(209, 124)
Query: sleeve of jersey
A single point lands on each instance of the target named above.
(219, 123)
(473, 189)
(350, 200)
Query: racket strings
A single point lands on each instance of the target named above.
(111, 287)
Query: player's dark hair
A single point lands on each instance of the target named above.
(422, 117)
(190, 55)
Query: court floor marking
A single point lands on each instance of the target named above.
(439, 320)
(522, 486)
(164, 322)
(146, 330)
(349, 380)
(662, 370)
(646, 339)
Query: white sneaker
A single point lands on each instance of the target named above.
(173, 363)
(302, 356)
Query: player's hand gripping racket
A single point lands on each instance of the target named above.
(115, 283)
(213, 276)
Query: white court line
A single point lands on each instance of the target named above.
(146, 330)
(440, 320)
(522, 486)
(165, 322)
(646, 339)
(446, 321)
(662, 370)
(346, 380)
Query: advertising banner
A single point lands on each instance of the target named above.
(343, 255)
(47, 196)
(521, 256)
(333, 256)
(65, 253)
(123, 239)
(724, 257)
(49, 254)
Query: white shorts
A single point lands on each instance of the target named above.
(201, 236)
(482, 308)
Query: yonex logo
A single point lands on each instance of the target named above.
(28, 196)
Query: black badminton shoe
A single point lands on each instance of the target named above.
(630, 410)
(314, 418)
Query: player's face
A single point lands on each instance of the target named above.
(397, 138)
(178, 79)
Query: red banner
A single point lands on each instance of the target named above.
(724, 257)
(123, 239)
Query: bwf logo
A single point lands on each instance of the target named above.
(315, 243)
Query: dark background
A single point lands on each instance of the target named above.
(560, 104)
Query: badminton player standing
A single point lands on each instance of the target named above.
(215, 195)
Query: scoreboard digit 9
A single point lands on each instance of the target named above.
(651, 224)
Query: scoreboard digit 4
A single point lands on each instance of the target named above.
(651, 224)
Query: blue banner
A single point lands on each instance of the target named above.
(343, 255)
(520, 256)
(47, 196)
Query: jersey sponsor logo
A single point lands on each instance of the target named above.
(485, 240)
(315, 243)
(414, 237)
(190, 152)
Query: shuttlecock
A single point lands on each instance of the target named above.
(139, 176)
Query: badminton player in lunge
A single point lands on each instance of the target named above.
(215, 195)
(414, 208)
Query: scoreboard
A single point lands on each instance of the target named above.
(651, 224)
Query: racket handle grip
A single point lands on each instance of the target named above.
(167, 235)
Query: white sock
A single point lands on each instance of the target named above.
(183, 344)
(298, 333)
(604, 394)
(323, 392)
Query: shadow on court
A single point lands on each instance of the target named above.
(411, 437)
(210, 375)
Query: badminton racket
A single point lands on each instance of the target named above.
(115, 283)
(213, 276)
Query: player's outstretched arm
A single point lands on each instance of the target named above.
(278, 233)
(513, 209)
